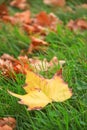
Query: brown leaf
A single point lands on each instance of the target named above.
(9, 65)
(21, 18)
(42, 23)
(6, 127)
(45, 19)
(3, 11)
(7, 57)
(44, 65)
(55, 2)
(33, 29)
(21, 4)
(77, 24)
(7, 123)
(36, 44)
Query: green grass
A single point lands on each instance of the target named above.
(66, 45)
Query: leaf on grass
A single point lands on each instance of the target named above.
(9, 65)
(42, 23)
(7, 123)
(47, 20)
(37, 44)
(21, 4)
(77, 24)
(42, 91)
(55, 2)
(3, 11)
(21, 18)
(44, 65)
(35, 99)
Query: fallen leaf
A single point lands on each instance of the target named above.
(42, 24)
(55, 61)
(44, 65)
(6, 127)
(47, 20)
(43, 19)
(33, 29)
(21, 18)
(21, 4)
(7, 123)
(42, 91)
(55, 2)
(77, 24)
(3, 11)
(9, 65)
(35, 99)
(36, 44)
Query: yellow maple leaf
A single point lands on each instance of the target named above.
(42, 91)
(36, 99)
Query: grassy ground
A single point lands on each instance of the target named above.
(72, 47)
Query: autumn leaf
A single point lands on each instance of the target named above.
(9, 65)
(36, 44)
(77, 24)
(44, 65)
(41, 91)
(7, 123)
(47, 20)
(35, 99)
(18, 18)
(21, 4)
(3, 11)
(55, 2)
(42, 24)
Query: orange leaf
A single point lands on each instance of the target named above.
(20, 18)
(21, 4)
(36, 44)
(7, 123)
(3, 10)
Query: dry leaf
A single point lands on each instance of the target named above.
(55, 2)
(33, 29)
(42, 91)
(20, 18)
(6, 127)
(23, 17)
(3, 11)
(42, 23)
(8, 123)
(43, 19)
(77, 24)
(44, 65)
(36, 44)
(21, 4)
(47, 20)
(9, 65)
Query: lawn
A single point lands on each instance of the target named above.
(65, 45)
